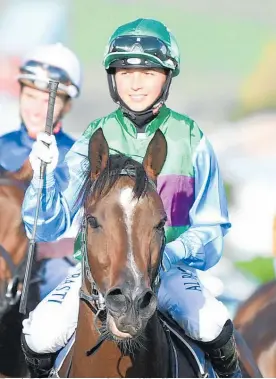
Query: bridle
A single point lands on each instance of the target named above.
(94, 298)
(12, 291)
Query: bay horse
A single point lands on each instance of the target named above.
(255, 320)
(13, 251)
(120, 332)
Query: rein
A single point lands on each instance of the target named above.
(5, 181)
(4, 254)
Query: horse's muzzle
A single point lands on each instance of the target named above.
(129, 313)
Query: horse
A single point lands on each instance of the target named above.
(255, 320)
(120, 332)
(13, 251)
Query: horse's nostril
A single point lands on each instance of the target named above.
(115, 292)
(116, 301)
(145, 300)
(147, 303)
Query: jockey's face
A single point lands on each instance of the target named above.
(33, 109)
(139, 87)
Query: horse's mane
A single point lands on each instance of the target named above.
(116, 165)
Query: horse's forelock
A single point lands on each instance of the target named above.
(117, 164)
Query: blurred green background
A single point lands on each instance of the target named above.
(210, 40)
(222, 43)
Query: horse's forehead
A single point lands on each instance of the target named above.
(128, 201)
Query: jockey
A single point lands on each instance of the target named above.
(45, 62)
(141, 59)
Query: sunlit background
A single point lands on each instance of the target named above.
(227, 84)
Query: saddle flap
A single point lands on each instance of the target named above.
(183, 345)
(62, 356)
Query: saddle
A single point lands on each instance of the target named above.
(182, 349)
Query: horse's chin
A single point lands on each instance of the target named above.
(112, 327)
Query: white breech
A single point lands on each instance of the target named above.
(181, 295)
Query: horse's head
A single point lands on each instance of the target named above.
(125, 219)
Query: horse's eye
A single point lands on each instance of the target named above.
(92, 221)
(161, 225)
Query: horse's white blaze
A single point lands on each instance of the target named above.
(129, 204)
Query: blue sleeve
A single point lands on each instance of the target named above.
(201, 245)
(58, 206)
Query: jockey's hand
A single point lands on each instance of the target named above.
(44, 153)
(173, 253)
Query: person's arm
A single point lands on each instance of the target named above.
(57, 206)
(202, 244)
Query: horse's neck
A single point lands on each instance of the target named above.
(153, 359)
(105, 362)
(108, 360)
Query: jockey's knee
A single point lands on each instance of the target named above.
(54, 320)
(182, 296)
(211, 320)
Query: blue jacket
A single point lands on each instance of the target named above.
(200, 245)
(16, 146)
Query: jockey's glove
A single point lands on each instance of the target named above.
(44, 150)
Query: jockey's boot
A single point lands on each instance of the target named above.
(223, 354)
(39, 365)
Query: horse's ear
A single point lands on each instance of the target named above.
(98, 153)
(155, 156)
(25, 173)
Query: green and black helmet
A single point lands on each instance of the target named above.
(143, 43)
